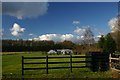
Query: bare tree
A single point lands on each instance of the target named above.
(116, 33)
(88, 38)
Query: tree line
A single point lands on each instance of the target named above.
(26, 45)
(106, 43)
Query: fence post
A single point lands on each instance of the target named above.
(47, 64)
(22, 65)
(119, 61)
(70, 62)
(110, 63)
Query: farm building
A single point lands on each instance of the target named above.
(52, 52)
(60, 51)
(64, 51)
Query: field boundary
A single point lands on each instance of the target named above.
(90, 65)
(70, 62)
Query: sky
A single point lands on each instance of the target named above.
(56, 21)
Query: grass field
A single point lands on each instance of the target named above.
(11, 68)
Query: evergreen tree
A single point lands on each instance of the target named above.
(107, 44)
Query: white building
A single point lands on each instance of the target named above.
(52, 52)
(64, 51)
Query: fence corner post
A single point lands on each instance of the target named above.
(110, 60)
(46, 64)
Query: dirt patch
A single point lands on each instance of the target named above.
(116, 73)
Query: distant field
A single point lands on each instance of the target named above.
(11, 68)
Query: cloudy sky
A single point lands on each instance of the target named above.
(56, 21)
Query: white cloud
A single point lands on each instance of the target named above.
(25, 9)
(79, 30)
(99, 36)
(31, 34)
(96, 38)
(58, 37)
(67, 37)
(30, 39)
(82, 37)
(15, 33)
(113, 24)
(16, 30)
(76, 22)
(70, 37)
(54, 37)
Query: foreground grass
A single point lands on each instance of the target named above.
(11, 68)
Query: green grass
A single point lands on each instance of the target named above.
(11, 68)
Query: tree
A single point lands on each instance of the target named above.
(101, 41)
(116, 36)
(88, 39)
(115, 27)
(67, 44)
(107, 44)
(77, 49)
(88, 36)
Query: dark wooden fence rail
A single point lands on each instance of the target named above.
(50, 57)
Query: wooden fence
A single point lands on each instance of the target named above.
(50, 57)
(115, 63)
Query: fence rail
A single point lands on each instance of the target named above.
(115, 63)
(50, 57)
